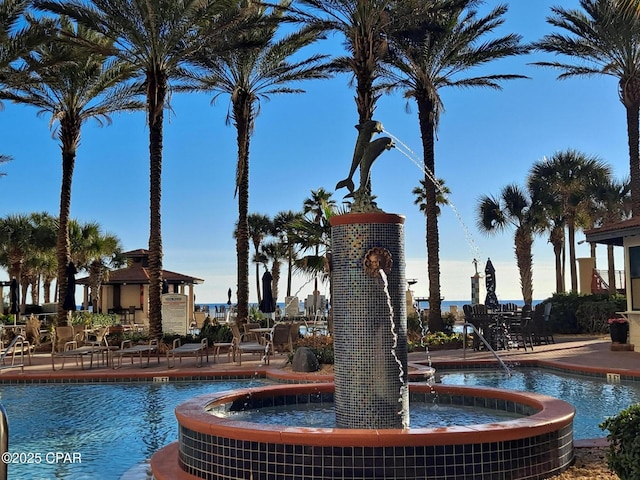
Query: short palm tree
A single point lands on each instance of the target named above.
(567, 180)
(157, 40)
(602, 38)
(73, 86)
(16, 243)
(260, 227)
(269, 64)
(283, 229)
(512, 209)
(428, 58)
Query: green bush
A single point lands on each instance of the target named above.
(623, 456)
(320, 345)
(575, 313)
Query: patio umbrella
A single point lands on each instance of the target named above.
(14, 299)
(267, 305)
(70, 297)
(491, 300)
(165, 286)
(229, 295)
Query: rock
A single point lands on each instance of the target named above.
(304, 360)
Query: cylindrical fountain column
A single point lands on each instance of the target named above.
(370, 327)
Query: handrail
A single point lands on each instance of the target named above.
(14, 342)
(4, 442)
(484, 340)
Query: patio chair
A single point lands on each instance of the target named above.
(62, 335)
(242, 345)
(541, 328)
(127, 349)
(281, 338)
(198, 350)
(520, 329)
(251, 335)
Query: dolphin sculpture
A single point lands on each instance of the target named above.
(366, 131)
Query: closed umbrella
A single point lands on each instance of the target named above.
(229, 295)
(491, 301)
(165, 286)
(14, 299)
(267, 305)
(69, 303)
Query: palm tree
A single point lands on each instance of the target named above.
(314, 232)
(260, 227)
(16, 233)
(602, 39)
(612, 204)
(157, 40)
(94, 251)
(513, 209)
(427, 58)
(274, 251)
(567, 178)
(283, 229)
(442, 196)
(17, 36)
(267, 67)
(73, 86)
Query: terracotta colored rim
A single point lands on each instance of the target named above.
(552, 415)
(367, 217)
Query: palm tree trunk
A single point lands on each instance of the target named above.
(633, 124)
(572, 253)
(258, 289)
(557, 240)
(427, 131)
(69, 136)
(242, 115)
(523, 243)
(289, 269)
(156, 94)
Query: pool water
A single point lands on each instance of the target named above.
(112, 426)
(593, 398)
(116, 426)
(312, 415)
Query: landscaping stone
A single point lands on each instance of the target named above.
(304, 360)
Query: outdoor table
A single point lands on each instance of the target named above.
(262, 333)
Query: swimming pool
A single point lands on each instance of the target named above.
(116, 426)
(112, 426)
(593, 398)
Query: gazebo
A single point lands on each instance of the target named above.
(126, 291)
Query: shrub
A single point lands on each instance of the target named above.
(623, 456)
(320, 345)
(575, 313)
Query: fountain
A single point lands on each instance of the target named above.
(370, 394)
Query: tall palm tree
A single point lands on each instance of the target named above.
(73, 86)
(427, 58)
(567, 178)
(260, 226)
(283, 229)
(157, 40)
(270, 63)
(602, 38)
(442, 196)
(18, 35)
(513, 209)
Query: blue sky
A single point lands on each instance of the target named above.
(486, 140)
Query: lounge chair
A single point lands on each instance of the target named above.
(198, 350)
(60, 337)
(241, 345)
(72, 350)
(129, 350)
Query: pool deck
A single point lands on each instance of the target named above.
(581, 354)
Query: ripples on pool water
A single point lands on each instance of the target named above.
(594, 399)
(322, 416)
(117, 426)
(112, 426)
